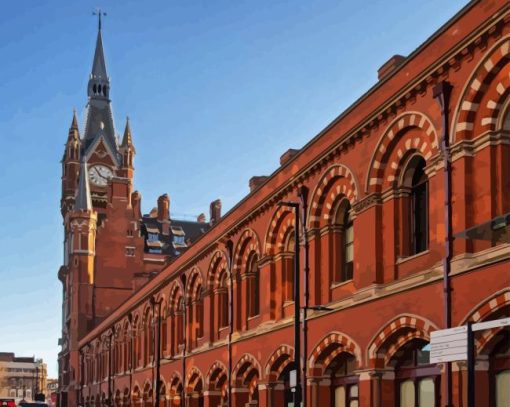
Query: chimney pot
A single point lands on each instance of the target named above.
(201, 218)
(287, 155)
(215, 212)
(164, 213)
(390, 65)
(136, 202)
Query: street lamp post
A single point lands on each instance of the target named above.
(157, 349)
(297, 304)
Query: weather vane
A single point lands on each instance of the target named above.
(98, 12)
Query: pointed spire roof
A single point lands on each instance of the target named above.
(99, 62)
(83, 200)
(127, 140)
(74, 123)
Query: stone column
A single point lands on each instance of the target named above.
(240, 396)
(212, 398)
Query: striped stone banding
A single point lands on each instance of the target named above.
(480, 83)
(420, 328)
(284, 354)
(425, 144)
(336, 181)
(328, 348)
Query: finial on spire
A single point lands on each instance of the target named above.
(74, 123)
(98, 12)
(127, 139)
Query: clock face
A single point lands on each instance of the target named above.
(99, 175)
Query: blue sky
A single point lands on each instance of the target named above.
(216, 91)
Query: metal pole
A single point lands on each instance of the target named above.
(158, 353)
(470, 365)
(297, 310)
(110, 371)
(303, 194)
(442, 93)
(230, 250)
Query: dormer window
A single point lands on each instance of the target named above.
(153, 237)
(179, 237)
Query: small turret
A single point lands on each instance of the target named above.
(70, 166)
(127, 149)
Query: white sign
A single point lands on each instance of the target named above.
(491, 324)
(293, 378)
(448, 345)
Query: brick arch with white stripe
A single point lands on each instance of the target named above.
(386, 342)
(192, 378)
(337, 181)
(278, 361)
(247, 244)
(328, 348)
(244, 367)
(216, 371)
(484, 93)
(395, 143)
(218, 262)
(281, 220)
(483, 311)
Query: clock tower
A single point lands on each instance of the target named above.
(103, 244)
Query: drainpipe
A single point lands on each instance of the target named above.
(441, 93)
(131, 356)
(110, 403)
(230, 252)
(184, 328)
(157, 349)
(303, 196)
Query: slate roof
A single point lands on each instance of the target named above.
(181, 234)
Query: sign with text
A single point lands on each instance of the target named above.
(448, 345)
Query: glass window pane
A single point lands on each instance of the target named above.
(349, 253)
(407, 394)
(354, 403)
(426, 394)
(349, 234)
(353, 391)
(502, 389)
(340, 397)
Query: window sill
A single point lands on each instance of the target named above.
(254, 317)
(401, 260)
(340, 284)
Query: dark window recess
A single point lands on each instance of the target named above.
(348, 246)
(419, 207)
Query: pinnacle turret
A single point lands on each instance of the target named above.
(127, 140)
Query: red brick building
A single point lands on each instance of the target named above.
(394, 182)
(110, 248)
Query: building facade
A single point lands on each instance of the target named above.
(21, 378)
(400, 193)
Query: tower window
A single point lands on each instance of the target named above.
(94, 88)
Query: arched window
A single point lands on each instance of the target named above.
(344, 243)
(288, 266)
(253, 289)
(199, 313)
(417, 182)
(222, 293)
(418, 381)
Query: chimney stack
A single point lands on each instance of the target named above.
(287, 155)
(390, 65)
(164, 212)
(201, 218)
(215, 212)
(256, 181)
(136, 202)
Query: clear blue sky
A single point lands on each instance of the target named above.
(216, 91)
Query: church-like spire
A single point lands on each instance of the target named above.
(83, 200)
(99, 83)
